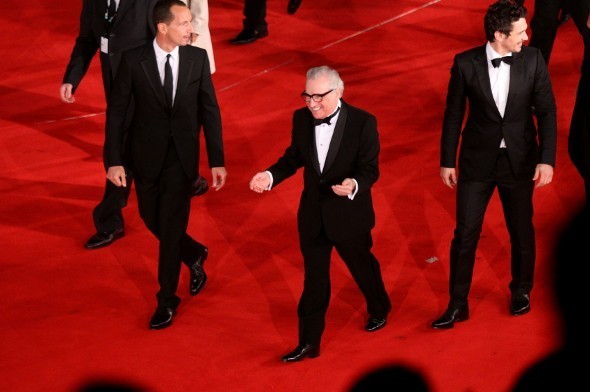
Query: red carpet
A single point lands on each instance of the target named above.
(68, 314)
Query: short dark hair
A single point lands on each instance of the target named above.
(500, 17)
(162, 13)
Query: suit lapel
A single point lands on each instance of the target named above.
(150, 67)
(336, 138)
(185, 68)
(480, 63)
(515, 79)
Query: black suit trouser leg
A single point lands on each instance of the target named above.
(255, 15)
(164, 205)
(107, 215)
(315, 297)
(366, 272)
(544, 24)
(472, 201)
(517, 203)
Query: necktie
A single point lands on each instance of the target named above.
(111, 10)
(319, 121)
(168, 81)
(506, 59)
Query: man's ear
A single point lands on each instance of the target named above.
(499, 36)
(162, 28)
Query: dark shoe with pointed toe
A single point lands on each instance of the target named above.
(300, 352)
(452, 314)
(198, 275)
(200, 187)
(162, 318)
(375, 324)
(248, 36)
(102, 239)
(293, 6)
(520, 304)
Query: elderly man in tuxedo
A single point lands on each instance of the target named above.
(170, 83)
(338, 147)
(505, 83)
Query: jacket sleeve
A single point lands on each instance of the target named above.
(545, 111)
(84, 49)
(453, 117)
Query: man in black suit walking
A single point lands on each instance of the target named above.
(111, 27)
(170, 83)
(338, 147)
(505, 83)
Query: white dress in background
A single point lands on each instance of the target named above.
(200, 22)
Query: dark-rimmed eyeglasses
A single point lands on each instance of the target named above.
(316, 97)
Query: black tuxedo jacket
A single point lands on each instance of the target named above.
(529, 93)
(153, 124)
(353, 153)
(133, 27)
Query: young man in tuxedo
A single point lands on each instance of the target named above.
(505, 83)
(338, 147)
(170, 83)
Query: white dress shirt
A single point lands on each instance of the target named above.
(499, 81)
(323, 137)
(161, 60)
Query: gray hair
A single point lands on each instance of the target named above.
(331, 73)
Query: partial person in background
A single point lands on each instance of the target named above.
(502, 81)
(111, 27)
(564, 369)
(254, 23)
(391, 378)
(293, 6)
(337, 145)
(200, 22)
(579, 136)
(171, 85)
(548, 15)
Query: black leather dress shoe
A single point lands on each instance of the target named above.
(520, 304)
(162, 318)
(198, 275)
(99, 240)
(375, 323)
(300, 352)
(452, 314)
(248, 36)
(293, 6)
(200, 187)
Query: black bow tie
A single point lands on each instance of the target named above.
(318, 121)
(507, 59)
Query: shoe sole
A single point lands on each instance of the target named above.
(451, 325)
(103, 244)
(520, 312)
(376, 329)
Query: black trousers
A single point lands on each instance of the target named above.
(364, 268)
(579, 136)
(164, 206)
(255, 15)
(108, 215)
(544, 24)
(472, 201)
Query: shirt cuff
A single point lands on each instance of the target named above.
(356, 189)
(271, 180)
